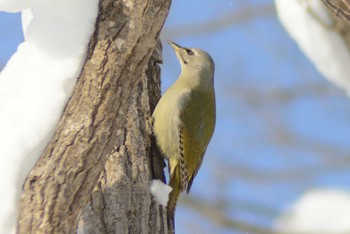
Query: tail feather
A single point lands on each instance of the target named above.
(173, 197)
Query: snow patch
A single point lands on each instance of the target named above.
(324, 47)
(35, 86)
(16, 5)
(160, 191)
(322, 210)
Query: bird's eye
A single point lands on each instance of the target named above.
(189, 52)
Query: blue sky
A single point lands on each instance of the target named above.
(276, 134)
(11, 35)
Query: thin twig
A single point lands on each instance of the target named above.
(337, 11)
(346, 3)
(238, 16)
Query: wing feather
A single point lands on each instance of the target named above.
(198, 119)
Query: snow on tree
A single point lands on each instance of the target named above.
(97, 145)
(311, 25)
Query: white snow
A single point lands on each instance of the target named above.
(160, 191)
(324, 47)
(16, 5)
(322, 210)
(35, 86)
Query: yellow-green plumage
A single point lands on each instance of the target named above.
(184, 120)
(195, 140)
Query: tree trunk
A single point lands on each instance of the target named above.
(100, 154)
(121, 200)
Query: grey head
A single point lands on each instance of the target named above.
(194, 60)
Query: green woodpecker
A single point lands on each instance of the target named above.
(184, 120)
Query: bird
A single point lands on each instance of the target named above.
(184, 121)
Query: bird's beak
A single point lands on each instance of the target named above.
(175, 46)
(178, 51)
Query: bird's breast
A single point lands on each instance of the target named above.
(167, 121)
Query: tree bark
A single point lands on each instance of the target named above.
(100, 154)
(121, 200)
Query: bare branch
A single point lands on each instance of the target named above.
(346, 3)
(220, 218)
(238, 16)
(337, 11)
(243, 205)
(256, 96)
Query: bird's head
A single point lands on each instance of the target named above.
(194, 60)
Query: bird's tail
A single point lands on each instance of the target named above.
(173, 197)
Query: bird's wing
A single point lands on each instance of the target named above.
(198, 121)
